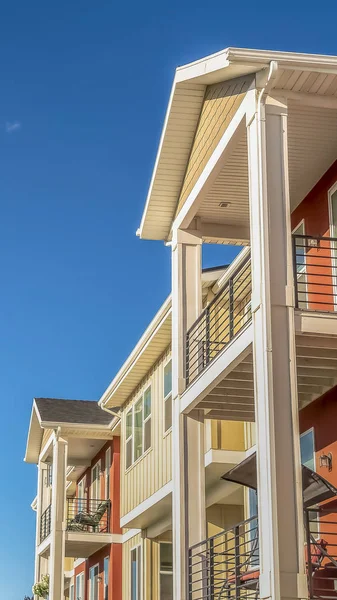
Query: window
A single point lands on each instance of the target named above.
(147, 419)
(165, 571)
(107, 473)
(128, 437)
(106, 578)
(308, 449)
(80, 586)
(168, 396)
(71, 592)
(95, 481)
(136, 570)
(93, 583)
(82, 494)
(138, 428)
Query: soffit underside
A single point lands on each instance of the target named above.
(312, 148)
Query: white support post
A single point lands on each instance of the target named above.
(189, 516)
(281, 533)
(37, 569)
(57, 549)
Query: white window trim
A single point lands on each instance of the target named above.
(99, 464)
(313, 442)
(72, 588)
(91, 569)
(332, 234)
(132, 435)
(140, 556)
(169, 360)
(106, 490)
(104, 582)
(79, 577)
(160, 571)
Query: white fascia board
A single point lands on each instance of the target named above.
(90, 426)
(143, 343)
(147, 504)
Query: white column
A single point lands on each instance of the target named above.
(37, 570)
(56, 584)
(278, 452)
(189, 516)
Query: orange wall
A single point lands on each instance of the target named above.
(114, 551)
(114, 493)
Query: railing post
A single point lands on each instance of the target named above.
(211, 569)
(237, 561)
(208, 339)
(187, 358)
(308, 541)
(295, 269)
(231, 308)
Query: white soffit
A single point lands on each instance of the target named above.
(310, 73)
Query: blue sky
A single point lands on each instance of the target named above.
(83, 92)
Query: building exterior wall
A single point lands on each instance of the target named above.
(114, 491)
(221, 102)
(225, 435)
(153, 469)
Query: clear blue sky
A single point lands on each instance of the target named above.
(83, 91)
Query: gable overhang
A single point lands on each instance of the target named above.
(186, 100)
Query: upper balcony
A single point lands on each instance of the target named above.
(218, 357)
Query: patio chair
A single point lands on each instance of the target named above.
(83, 520)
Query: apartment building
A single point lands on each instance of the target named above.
(142, 389)
(76, 447)
(221, 430)
(247, 156)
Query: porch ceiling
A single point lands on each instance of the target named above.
(233, 398)
(312, 143)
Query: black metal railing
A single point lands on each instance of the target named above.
(219, 322)
(315, 272)
(226, 566)
(218, 567)
(45, 523)
(88, 515)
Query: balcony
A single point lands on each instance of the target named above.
(220, 321)
(226, 566)
(229, 313)
(45, 524)
(89, 516)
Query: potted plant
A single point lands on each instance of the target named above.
(41, 589)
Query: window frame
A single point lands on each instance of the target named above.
(310, 430)
(162, 571)
(72, 591)
(106, 583)
(90, 587)
(167, 398)
(99, 465)
(131, 438)
(107, 473)
(79, 577)
(139, 572)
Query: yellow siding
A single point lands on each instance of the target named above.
(153, 470)
(46, 435)
(221, 102)
(223, 516)
(227, 435)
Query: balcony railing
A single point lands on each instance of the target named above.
(226, 566)
(220, 321)
(315, 272)
(86, 515)
(45, 523)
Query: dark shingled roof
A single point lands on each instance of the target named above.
(86, 412)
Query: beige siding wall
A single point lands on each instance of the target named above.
(153, 470)
(221, 102)
(223, 516)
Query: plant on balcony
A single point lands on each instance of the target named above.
(41, 589)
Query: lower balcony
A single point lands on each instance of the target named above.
(226, 566)
(87, 528)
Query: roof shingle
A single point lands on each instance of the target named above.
(84, 412)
